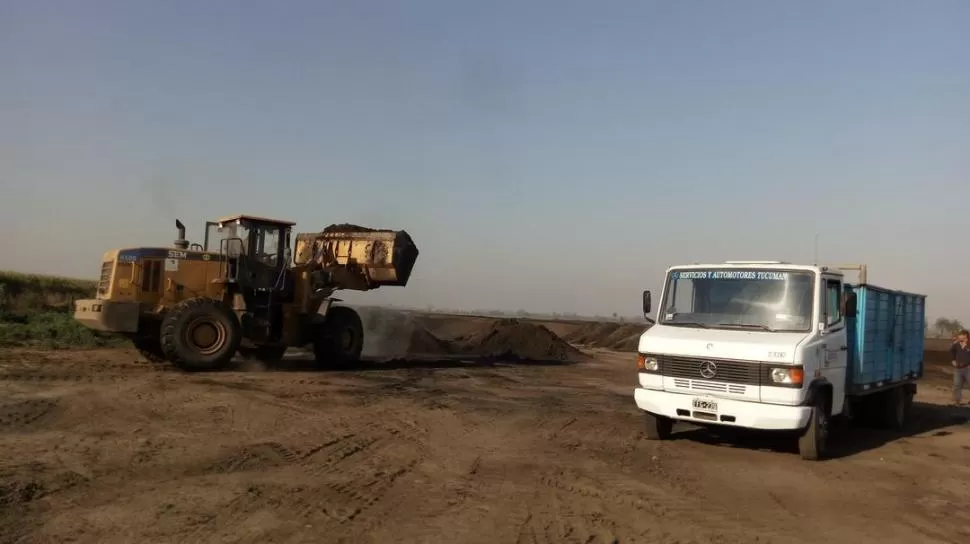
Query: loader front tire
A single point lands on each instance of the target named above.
(200, 334)
(339, 341)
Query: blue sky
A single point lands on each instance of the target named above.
(545, 155)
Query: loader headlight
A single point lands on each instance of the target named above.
(647, 363)
(791, 376)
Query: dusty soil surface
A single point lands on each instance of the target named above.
(101, 446)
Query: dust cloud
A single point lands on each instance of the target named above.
(391, 334)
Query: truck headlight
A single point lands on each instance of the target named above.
(791, 375)
(646, 363)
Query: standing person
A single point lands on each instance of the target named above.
(960, 359)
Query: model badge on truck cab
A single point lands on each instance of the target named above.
(777, 346)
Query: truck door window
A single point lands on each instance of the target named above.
(833, 302)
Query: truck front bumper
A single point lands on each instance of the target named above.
(107, 315)
(735, 413)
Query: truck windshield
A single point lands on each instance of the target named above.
(770, 300)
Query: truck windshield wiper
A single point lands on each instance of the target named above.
(748, 326)
(688, 324)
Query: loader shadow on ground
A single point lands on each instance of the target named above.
(306, 364)
(846, 439)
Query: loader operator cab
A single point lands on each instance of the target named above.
(257, 248)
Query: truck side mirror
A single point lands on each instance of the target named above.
(646, 303)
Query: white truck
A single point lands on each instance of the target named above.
(777, 346)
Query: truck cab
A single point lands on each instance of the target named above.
(753, 344)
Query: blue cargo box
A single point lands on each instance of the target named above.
(886, 342)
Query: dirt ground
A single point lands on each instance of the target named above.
(103, 447)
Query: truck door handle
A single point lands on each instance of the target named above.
(843, 348)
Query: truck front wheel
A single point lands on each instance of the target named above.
(659, 427)
(813, 442)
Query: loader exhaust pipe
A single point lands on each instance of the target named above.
(181, 242)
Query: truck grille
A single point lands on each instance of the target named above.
(105, 281)
(724, 371)
(710, 387)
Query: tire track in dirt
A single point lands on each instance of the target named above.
(360, 470)
(259, 457)
(347, 473)
(26, 414)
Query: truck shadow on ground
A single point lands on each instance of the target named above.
(846, 438)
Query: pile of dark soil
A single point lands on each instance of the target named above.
(630, 343)
(512, 339)
(423, 342)
(348, 227)
(616, 336)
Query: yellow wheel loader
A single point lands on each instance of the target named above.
(244, 290)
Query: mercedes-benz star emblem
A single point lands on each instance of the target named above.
(708, 369)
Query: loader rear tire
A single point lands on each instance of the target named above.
(147, 341)
(149, 347)
(200, 334)
(340, 339)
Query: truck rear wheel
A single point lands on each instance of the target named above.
(200, 334)
(659, 427)
(340, 340)
(813, 442)
(896, 405)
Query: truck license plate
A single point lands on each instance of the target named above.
(705, 404)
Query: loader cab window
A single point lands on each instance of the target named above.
(265, 242)
(231, 238)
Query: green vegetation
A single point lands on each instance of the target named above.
(35, 311)
(945, 327)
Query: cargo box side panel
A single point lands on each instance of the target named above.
(914, 334)
(874, 335)
(889, 334)
(897, 338)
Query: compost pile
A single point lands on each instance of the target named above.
(516, 340)
(616, 336)
(396, 334)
